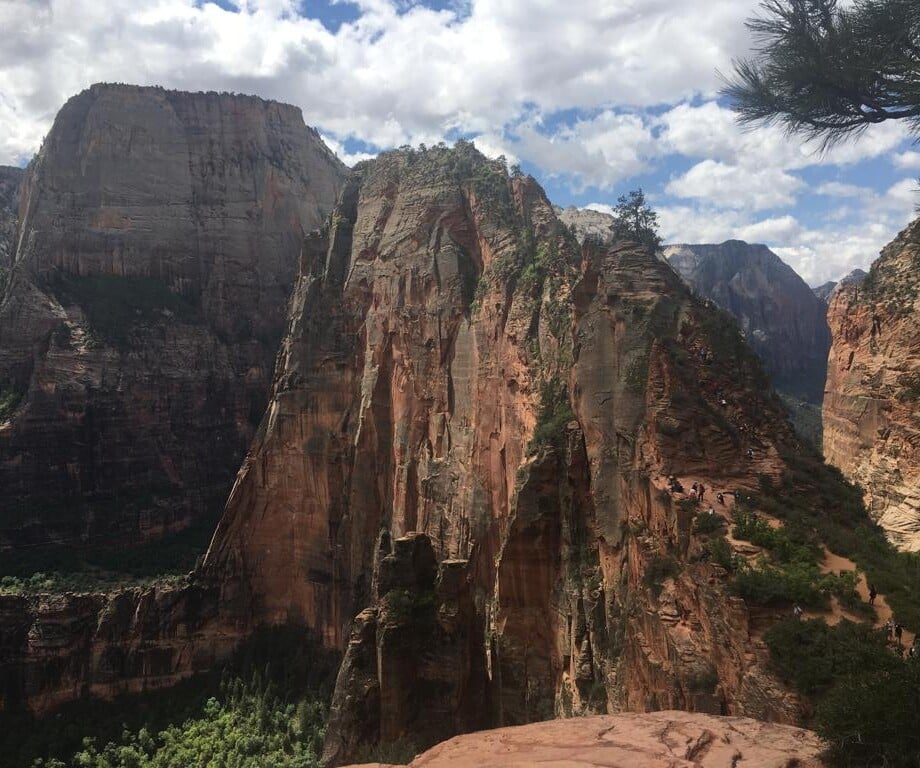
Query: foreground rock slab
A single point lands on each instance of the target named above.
(653, 740)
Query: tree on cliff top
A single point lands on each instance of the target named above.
(633, 219)
(827, 70)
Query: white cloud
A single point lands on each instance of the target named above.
(907, 160)
(735, 186)
(591, 92)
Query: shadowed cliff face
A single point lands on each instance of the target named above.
(10, 182)
(158, 243)
(782, 319)
(470, 420)
(872, 406)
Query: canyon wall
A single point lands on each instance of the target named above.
(157, 244)
(872, 405)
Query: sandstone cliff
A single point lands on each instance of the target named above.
(10, 181)
(659, 740)
(157, 245)
(470, 419)
(872, 403)
(782, 319)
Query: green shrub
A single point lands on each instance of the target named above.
(10, 398)
(720, 552)
(555, 414)
(814, 497)
(812, 656)
(704, 523)
(872, 718)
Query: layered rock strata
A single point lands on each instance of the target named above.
(659, 740)
(469, 420)
(158, 240)
(58, 648)
(872, 404)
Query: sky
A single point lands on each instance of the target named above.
(592, 97)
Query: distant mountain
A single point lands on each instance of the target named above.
(824, 292)
(782, 319)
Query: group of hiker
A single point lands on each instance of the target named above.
(698, 492)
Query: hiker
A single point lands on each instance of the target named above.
(889, 628)
(898, 631)
(912, 651)
(712, 510)
(750, 453)
(797, 611)
(693, 493)
(701, 490)
(721, 497)
(873, 593)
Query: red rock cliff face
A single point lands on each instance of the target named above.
(872, 404)
(157, 246)
(469, 422)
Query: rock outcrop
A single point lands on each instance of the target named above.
(656, 740)
(58, 648)
(10, 181)
(872, 403)
(158, 242)
(781, 318)
(470, 419)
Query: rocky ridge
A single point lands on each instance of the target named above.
(872, 405)
(157, 245)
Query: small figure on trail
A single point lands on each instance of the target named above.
(750, 453)
(873, 593)
(721, 498)
(912, 651)
(723, 402)
(889, 628)
(711, 510)
(797, 611)
(701, 490)
(898, 632)
(693, 493)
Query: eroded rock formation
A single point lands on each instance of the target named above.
(655, 740)
(157, 245)
(872, 404)
(463, 448)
